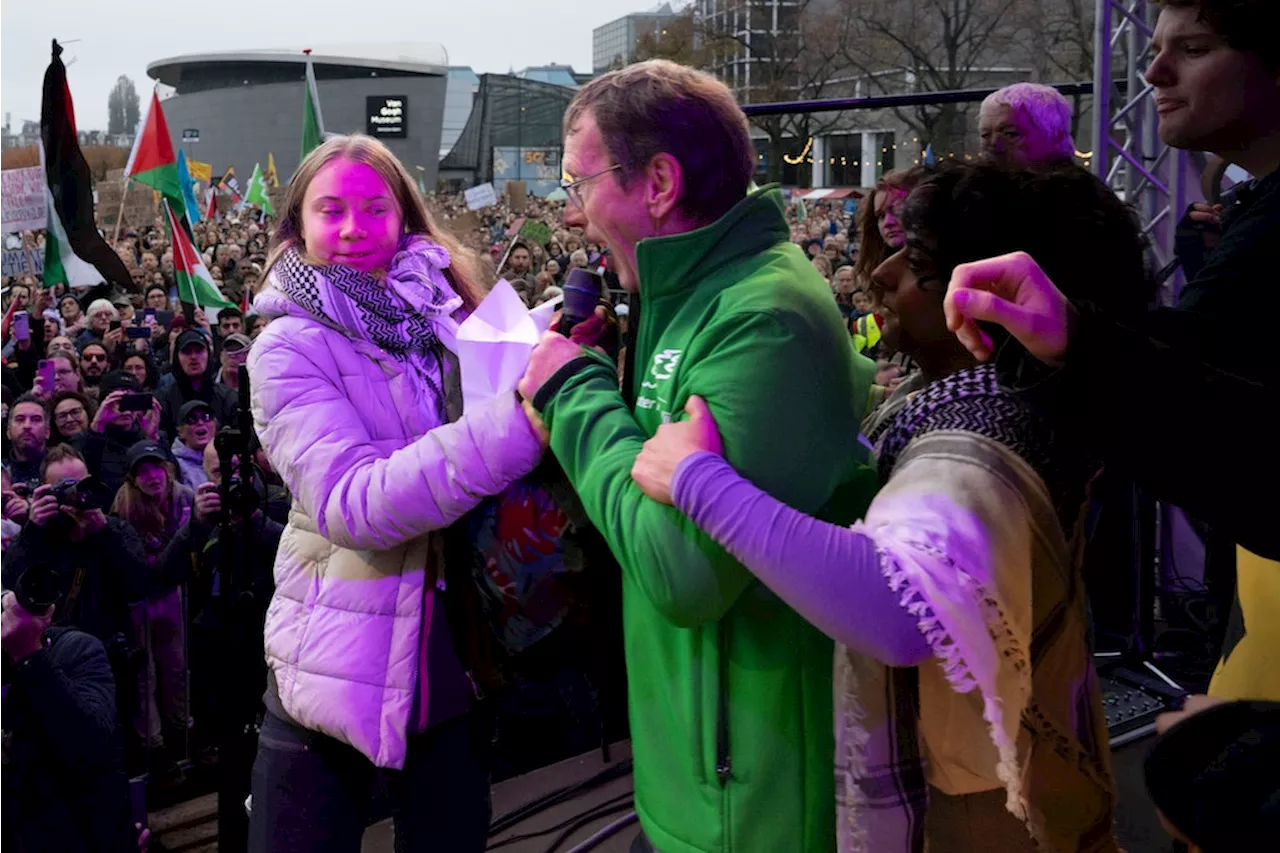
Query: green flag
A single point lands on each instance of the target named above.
(312, 121)
(256, 193)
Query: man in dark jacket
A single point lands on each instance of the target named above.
(98, 559)
(105, 445)
(193, 380)
(64, 781)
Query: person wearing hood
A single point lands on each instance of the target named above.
(197, 424)
(193, 380)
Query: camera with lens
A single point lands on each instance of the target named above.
(241, 499)
(86, 494)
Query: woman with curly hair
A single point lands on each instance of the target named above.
(958, 601)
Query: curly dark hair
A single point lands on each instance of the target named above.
(1248, 25)
(1079, 232)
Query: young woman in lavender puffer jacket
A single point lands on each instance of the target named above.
(357, 400)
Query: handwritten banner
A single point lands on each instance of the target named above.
(23, 199)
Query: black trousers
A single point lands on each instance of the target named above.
(313, 794)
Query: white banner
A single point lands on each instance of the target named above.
(481, 196)
(23, 199)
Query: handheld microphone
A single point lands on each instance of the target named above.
(582, 290)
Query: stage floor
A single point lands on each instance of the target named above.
(513, 793)
(190, 827)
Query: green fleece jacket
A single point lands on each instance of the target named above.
(730, 690)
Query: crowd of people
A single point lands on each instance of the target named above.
(830, 643)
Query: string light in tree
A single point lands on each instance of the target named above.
(797, 160)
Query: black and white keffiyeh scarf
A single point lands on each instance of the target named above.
(408, 314)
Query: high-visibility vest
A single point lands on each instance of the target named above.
(866, 332)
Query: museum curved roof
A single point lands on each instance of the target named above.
(408, 57)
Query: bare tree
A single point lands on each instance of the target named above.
(1063, 49)
(771, 53)
(931, 46)
(677, 41)
(123, 108)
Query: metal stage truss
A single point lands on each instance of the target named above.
(1158, 181)
(1128, 155)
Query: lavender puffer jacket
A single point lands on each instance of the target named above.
(346, 426)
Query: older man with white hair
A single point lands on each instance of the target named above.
(1026, 125)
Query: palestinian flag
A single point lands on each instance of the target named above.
(195, 285)
(75, 252)
(152, 161)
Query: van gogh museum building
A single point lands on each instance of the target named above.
(450, 126)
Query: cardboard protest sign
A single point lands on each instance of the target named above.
(519, 195)
(464, 223)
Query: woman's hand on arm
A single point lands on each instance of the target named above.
(655, 468)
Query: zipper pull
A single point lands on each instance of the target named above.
(724, 769)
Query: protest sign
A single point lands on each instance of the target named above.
(19, 261)
(464, 223)
(519, 195)
(276, 195)
(23, 199)
(481, 196)
(537, 232)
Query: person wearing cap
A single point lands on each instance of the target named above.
(197, 424)
(193, 380)
(156, 504)
(105, 446)
(235, 352)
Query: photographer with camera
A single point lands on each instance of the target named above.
(64, 781)
(198, 556)
(98, 560)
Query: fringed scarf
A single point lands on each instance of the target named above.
(408, 314)
(949, 582)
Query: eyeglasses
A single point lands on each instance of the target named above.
(573, 186)
(93, 356)
(199, 418)
(70, 414)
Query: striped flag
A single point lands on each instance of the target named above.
(195, 285)
(75, 252)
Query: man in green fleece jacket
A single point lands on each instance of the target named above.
(730, 690)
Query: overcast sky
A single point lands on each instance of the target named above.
(123, 38)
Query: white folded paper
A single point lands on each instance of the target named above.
(495, 342)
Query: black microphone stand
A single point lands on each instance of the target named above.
(237, 735)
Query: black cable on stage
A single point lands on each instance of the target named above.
(524, 812)
(608, 807)
(583, 821)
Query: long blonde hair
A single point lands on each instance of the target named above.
(462, 272)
